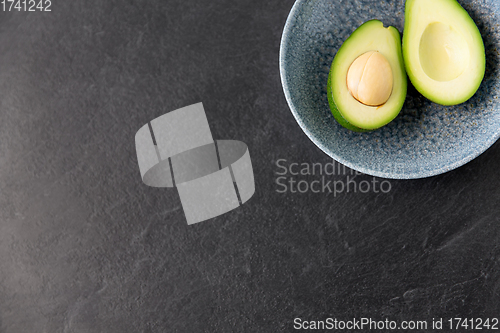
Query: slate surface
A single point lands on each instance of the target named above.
(85, 246)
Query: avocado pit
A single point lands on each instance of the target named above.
(370, 79)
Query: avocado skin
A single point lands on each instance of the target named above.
(431, 93)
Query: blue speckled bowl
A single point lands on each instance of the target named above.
(426, 139)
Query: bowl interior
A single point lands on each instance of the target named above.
(426, 138)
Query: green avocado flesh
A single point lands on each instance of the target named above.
(349, 112)
(443, 51)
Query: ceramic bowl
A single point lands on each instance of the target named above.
(426, 139)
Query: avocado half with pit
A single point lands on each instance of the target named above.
(443, 50)
(367, 81)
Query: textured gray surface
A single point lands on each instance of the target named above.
(85, 246)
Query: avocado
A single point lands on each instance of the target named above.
(443, 51)
(367, 81)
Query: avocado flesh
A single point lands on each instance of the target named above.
(336, 113)
(349, 112)
(443, 51)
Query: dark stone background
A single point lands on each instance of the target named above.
(86, 247)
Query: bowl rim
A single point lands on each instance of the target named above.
(389, 175)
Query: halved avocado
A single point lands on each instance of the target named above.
(443, 51)
(347, 110)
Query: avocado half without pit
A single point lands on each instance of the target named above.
(367, 81)
(443, 50)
